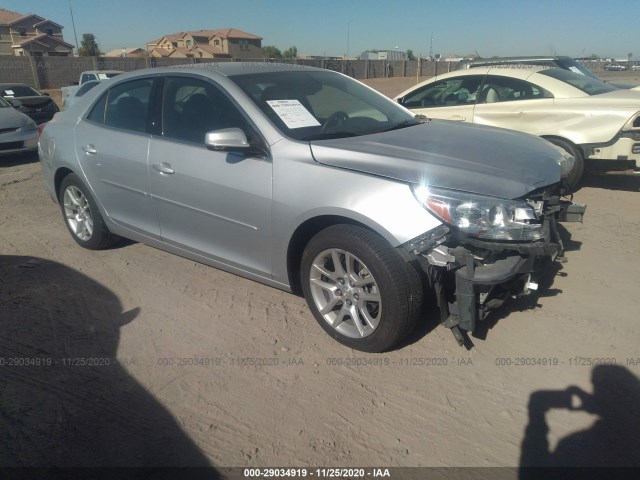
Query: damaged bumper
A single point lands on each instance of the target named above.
(472, 277)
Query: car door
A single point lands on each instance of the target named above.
(447, 99)
(515, 104)
(112, 146)
(212, 203)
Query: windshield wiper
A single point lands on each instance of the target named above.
(407, 123)
(329, 135)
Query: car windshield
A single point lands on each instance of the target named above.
(316, 105)
(590, 86)
(19, 91)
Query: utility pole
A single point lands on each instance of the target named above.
(431, 46)
(74, 29)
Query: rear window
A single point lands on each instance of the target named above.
(589, 85)
(19, 91)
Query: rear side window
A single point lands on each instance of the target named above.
(444, 93)
(125, 106)
(506, 89)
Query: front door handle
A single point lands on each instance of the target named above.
(458, 118)
(163, 167)
(89, 149)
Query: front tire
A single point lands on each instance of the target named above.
(82, 217)
(359, 288)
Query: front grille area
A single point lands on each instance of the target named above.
(11, 145)
(635, 148)
(8, 130)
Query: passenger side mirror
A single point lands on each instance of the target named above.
(227, 139)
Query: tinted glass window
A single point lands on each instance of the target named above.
(85, 88)
(589, 85)
(97, 112)
(192, 107)
(444, 93)
(87, 76)
(19, 91)
(128, 105)
(505, 89)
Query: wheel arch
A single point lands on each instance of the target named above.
(60, 175)
(301, 237)
(564, 139)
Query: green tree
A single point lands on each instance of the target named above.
(593, 56)
(89, 46)
(629, 55)
(410, 55)
(271, 52)
(291, 52)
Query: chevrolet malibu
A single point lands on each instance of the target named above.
(313, 183)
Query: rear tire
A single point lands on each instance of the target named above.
(575, 176)
(82, 217)
(371, 301)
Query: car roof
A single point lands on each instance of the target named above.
(530, 58)
(4, 85)
(522, 71)
(103, 71)
(226, 69)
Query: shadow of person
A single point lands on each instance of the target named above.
(610, 442)
(65, 401)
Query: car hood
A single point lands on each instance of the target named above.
(10, 118)
(465, 157)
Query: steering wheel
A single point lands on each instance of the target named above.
(334, 121)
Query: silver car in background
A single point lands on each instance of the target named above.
(18, 133)
(311, 182)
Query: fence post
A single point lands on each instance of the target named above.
(34, 72)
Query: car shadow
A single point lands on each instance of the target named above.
(19, 159)
(67, 401)
(610, 442)
(613, 181)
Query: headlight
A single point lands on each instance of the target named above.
(487, 218)
(29, 124)
(566, 161)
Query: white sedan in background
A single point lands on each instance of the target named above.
(595, 122)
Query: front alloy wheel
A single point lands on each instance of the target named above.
(359, 288)
(345, 293)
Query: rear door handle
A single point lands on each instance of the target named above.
(89, 149)
(164, 167)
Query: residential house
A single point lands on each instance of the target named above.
(127, 52)
(220, 43)
(31, 35)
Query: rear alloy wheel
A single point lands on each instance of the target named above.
(82, 216)
(359, 288)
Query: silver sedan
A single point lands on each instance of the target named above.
(18, 133)
(311, 182)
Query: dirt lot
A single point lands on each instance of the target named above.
(133, 356)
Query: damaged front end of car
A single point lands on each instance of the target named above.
(488, 249)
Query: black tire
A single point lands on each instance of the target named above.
(397, 283)
(575, 176)
(99, 237)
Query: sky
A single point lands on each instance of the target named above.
(336, 27)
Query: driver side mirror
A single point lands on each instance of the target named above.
(227, 139)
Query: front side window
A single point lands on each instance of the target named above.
(315, 105)
(192, 107)
(505, 89)
(445, 93)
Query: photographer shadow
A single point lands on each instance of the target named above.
(612, 441)
(66, 400)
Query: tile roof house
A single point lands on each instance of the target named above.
(31, 35)
(219, 43)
